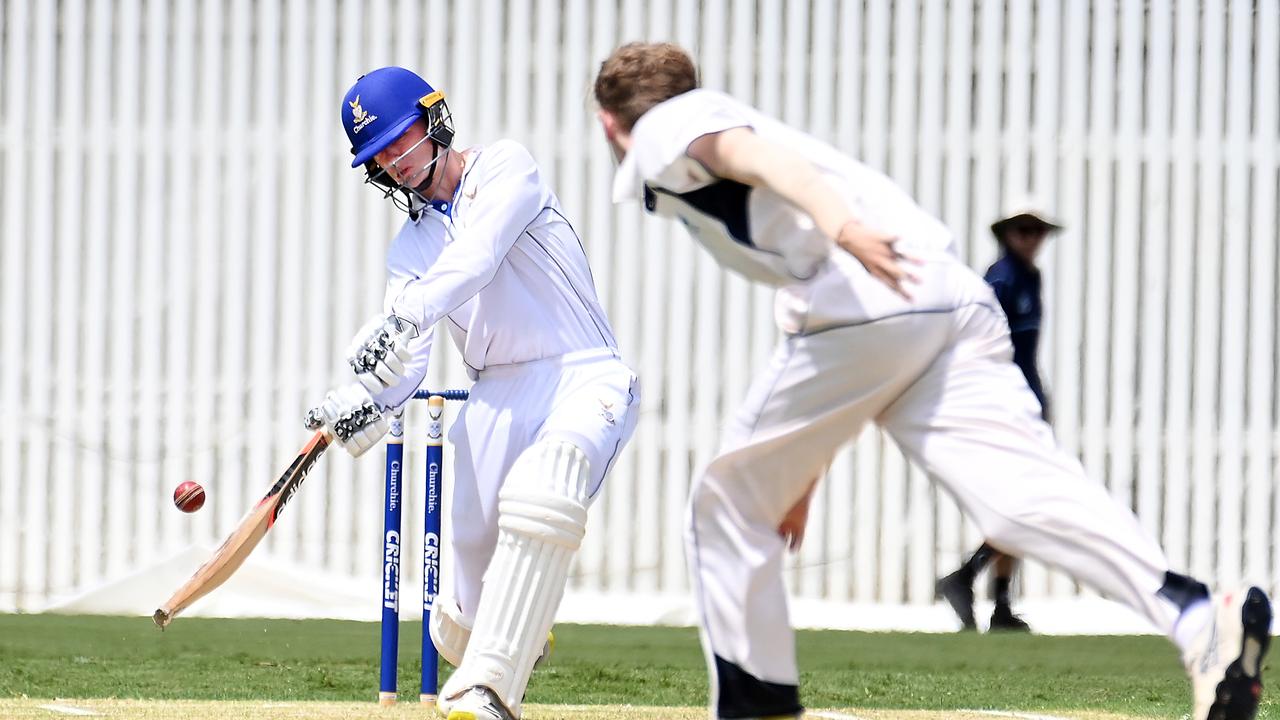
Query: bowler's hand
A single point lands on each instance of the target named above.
(875, 251)
(793, 523)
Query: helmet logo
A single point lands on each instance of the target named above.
(360, 116)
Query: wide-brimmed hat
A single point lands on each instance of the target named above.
(1025, 213)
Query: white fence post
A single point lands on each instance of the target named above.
(175, 188)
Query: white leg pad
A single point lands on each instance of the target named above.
(542, 516)
(450, 631)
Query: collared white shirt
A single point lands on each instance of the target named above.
(755, 231)
(501, 264)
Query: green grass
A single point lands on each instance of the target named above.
(47, 656)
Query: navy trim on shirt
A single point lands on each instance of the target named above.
(724, 200)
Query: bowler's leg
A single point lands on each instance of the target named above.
(972, 424)
(818, 393)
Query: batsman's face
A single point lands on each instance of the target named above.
(408, 157)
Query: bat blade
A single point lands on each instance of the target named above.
(252, 528)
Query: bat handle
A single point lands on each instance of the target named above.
(314, 419)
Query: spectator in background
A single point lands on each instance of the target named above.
(1016, 281)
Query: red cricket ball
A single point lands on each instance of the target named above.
(189, 496)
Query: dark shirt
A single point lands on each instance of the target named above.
(1017, 287)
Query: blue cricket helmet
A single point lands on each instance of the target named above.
(377, 110)
(383, 104)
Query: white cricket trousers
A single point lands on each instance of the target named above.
(939, 378)
(589, 398)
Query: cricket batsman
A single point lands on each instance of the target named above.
(881, 323)
(486, 248)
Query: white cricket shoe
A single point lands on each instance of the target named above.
(1225, 658)
(478, 703)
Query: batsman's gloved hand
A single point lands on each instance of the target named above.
(351, 417)
(379, 351)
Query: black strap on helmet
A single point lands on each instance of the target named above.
(439, 129)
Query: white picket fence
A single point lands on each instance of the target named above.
(185, 254)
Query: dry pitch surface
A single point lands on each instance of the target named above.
(27, 709)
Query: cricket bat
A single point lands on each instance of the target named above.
(236, 548)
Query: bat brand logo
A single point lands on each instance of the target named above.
(287, 494)
(391, 571)
(361, 116)
(289, 483)
(430, 569)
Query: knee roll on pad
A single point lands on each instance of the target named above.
(545, 496)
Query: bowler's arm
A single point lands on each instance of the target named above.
(741, 155)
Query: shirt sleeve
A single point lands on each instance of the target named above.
(508, 196)
(662, 136)
(397, 395)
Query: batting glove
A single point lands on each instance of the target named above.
(351, 417)
(380, 350)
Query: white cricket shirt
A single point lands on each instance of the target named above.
(755, 231)
(501, 265)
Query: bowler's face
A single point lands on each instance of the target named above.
(612, 133)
